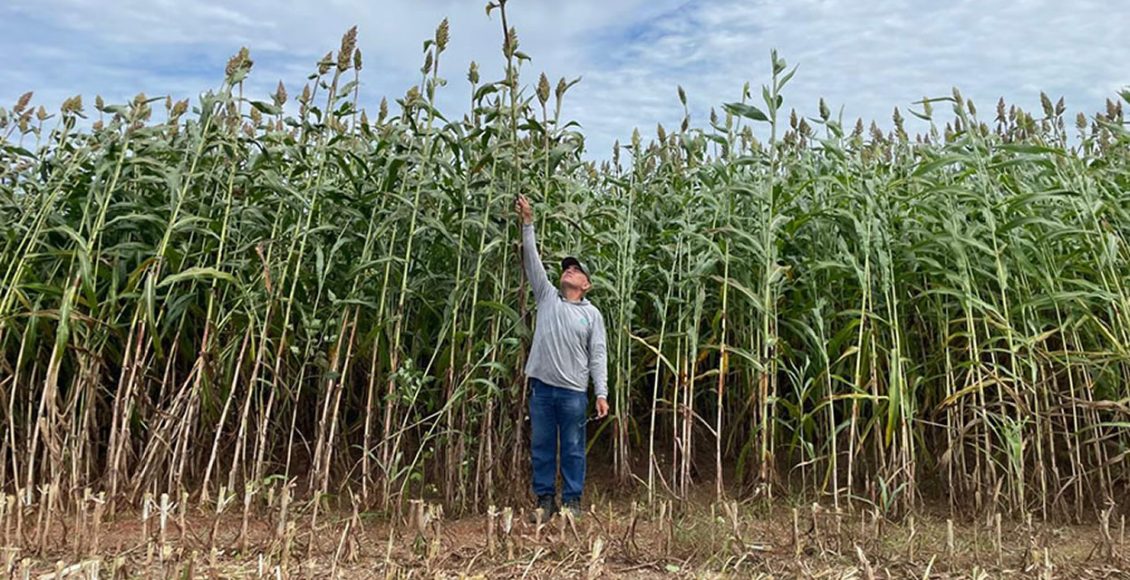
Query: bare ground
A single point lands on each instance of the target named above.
(611, 540)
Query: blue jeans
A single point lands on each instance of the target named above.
(557, 414)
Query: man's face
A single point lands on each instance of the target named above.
(573, 277)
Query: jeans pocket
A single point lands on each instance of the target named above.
(537, 389)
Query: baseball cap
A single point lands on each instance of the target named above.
(573, 261)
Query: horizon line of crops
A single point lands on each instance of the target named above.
(232, 297)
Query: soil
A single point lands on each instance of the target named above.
(611, 540)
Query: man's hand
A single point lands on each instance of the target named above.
(522, 205)
(601, 408)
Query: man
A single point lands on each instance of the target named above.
(568, 349)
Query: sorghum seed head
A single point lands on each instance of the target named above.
(473, 73)
(825, 113)
(280, 95)
(382, 112)
(357, 64)
(510, 44)
(442, 35)
(562, 86)
(543, 89)
(76, 104)
(427, 68)
(876, 133)
(1046, 103)
(241, 62)
(326, 62)
(348, 43)
(22, 103)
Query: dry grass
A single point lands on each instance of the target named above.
(618, 540)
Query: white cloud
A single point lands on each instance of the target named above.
(868, 57)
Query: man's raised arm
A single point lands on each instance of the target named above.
(535, 270)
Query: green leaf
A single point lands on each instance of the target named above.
(747, 111)
(197, 273)
(266, 108)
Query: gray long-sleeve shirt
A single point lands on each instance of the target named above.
(569, 340)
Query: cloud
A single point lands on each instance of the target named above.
(868, 57)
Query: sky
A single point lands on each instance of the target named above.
(863, 57)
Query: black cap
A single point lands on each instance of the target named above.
(572, 261)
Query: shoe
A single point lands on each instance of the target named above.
(548, 507)
(574, 506)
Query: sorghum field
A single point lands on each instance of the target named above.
(244, 337)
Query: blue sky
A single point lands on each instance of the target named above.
(864, 57)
